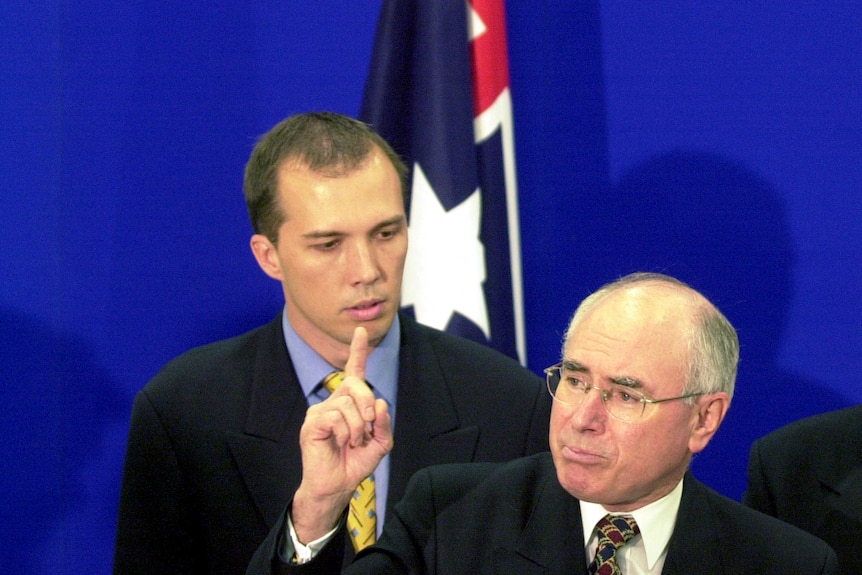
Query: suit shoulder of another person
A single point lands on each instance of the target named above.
(732, 523)
(816, 436)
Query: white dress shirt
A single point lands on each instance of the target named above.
(646, 552)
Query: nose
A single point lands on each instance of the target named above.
(363, 263)
(591, 413)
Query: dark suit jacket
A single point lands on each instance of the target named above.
(213, 451)
(809, 473)
(515, 518)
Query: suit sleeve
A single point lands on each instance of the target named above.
(398, 552)
(374, 560)
(155, 531)
(404, 544)
(267, 560)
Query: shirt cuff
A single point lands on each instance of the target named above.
(299, 553)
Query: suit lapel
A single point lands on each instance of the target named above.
(695, 545)
(838, 506)
(841, 520)
(426, 418)
(552, 540)
(267, 453)
(836, 511)
(844, 491)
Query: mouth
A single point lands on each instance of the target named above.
(368, 310)
(580, 456)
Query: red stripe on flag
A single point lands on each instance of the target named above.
(490, 58)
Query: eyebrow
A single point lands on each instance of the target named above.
(321, 234)
(625, 381)
(572, 365)
(393, 221)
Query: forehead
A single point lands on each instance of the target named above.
(633, 333)
(373, 184)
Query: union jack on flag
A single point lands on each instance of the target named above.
(438, 91)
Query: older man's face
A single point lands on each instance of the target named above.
(637, 335)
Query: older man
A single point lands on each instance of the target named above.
(645, 380)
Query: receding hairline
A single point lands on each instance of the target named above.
(295, 165)
(711, 340)
(300, 161)
(672, 289)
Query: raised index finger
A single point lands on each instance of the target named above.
(358, 354)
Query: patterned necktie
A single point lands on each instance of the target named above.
(362, 516)
(614, 531)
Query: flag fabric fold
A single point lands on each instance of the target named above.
(438, 91)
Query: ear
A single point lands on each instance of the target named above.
(266, 255)
(708, 416)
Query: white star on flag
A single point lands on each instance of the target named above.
(445, 266)
(438, 92)
(476, 25)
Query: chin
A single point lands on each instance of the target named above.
(373, 328)
(376, 332)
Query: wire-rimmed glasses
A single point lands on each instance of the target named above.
(621, 402)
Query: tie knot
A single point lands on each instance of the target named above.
(616, 529)
(333, 380)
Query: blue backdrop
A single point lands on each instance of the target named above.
(719, 142)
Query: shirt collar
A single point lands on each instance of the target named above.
(381, 369)
(656, 522)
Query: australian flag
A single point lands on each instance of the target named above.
(438, 92)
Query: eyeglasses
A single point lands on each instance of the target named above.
(620, 402)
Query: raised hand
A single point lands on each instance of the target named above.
(342, 441)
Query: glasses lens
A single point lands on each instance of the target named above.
(552, 377)
(560, 389)
(625, 405)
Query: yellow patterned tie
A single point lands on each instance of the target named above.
(362, 517)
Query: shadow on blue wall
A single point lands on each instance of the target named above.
(713, 223)
(561, 137)
(61, 411)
